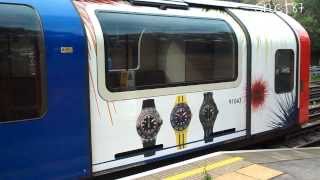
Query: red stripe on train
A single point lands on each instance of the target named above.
(304, 57)
(304, 74)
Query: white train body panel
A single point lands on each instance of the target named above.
(114, 115)
(268, 34)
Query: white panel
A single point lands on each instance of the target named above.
(268, 34)
(113, 123)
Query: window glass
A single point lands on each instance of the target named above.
(21, 64)
(147, 51)
(284, 71)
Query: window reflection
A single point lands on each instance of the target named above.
(21, 89)
(145, 51)
(284, 67)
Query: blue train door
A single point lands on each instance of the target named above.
(44, 116)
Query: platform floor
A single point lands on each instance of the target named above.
(277, 164)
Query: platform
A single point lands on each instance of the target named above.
(277, 164)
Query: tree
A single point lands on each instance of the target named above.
(243, 1)
(310, 20)
(309, 17)
(249, 1)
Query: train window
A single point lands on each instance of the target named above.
(21, 64)
(284, 70)
(148, 51)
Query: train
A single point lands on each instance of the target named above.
(92, 87)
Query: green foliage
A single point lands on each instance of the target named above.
(206, 176)
(243, 1)
(315, 78)
(307, 12)
(310, 19)
(249, 1)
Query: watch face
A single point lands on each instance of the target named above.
(208, 114)
(180, 117)
(208, 111)
(148, 124)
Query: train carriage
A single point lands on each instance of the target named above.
(91, 87)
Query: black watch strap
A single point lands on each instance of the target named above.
(148, 103)
(208, 134)
(148, 144)
(208, 96)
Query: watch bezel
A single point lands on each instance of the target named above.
(173, 113)
(141, 132)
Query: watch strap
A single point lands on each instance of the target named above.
(148, 103)
(208, 134)
(181, 99)
(148, 143)
(181, 138)
(208, 96)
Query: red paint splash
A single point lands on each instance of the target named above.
(258, 93)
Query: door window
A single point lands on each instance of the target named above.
(21, 64)
(284, 71)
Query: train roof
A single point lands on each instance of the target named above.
(185, 4)
(226, 4)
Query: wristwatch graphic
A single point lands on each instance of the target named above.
(180, 119)
(207, 115)
(148, 125)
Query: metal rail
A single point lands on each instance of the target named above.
(308, 135)
(314, 103)
(304, 138)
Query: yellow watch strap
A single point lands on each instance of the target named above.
(181, 99)
(181, 138)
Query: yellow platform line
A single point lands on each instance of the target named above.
(204, 168)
